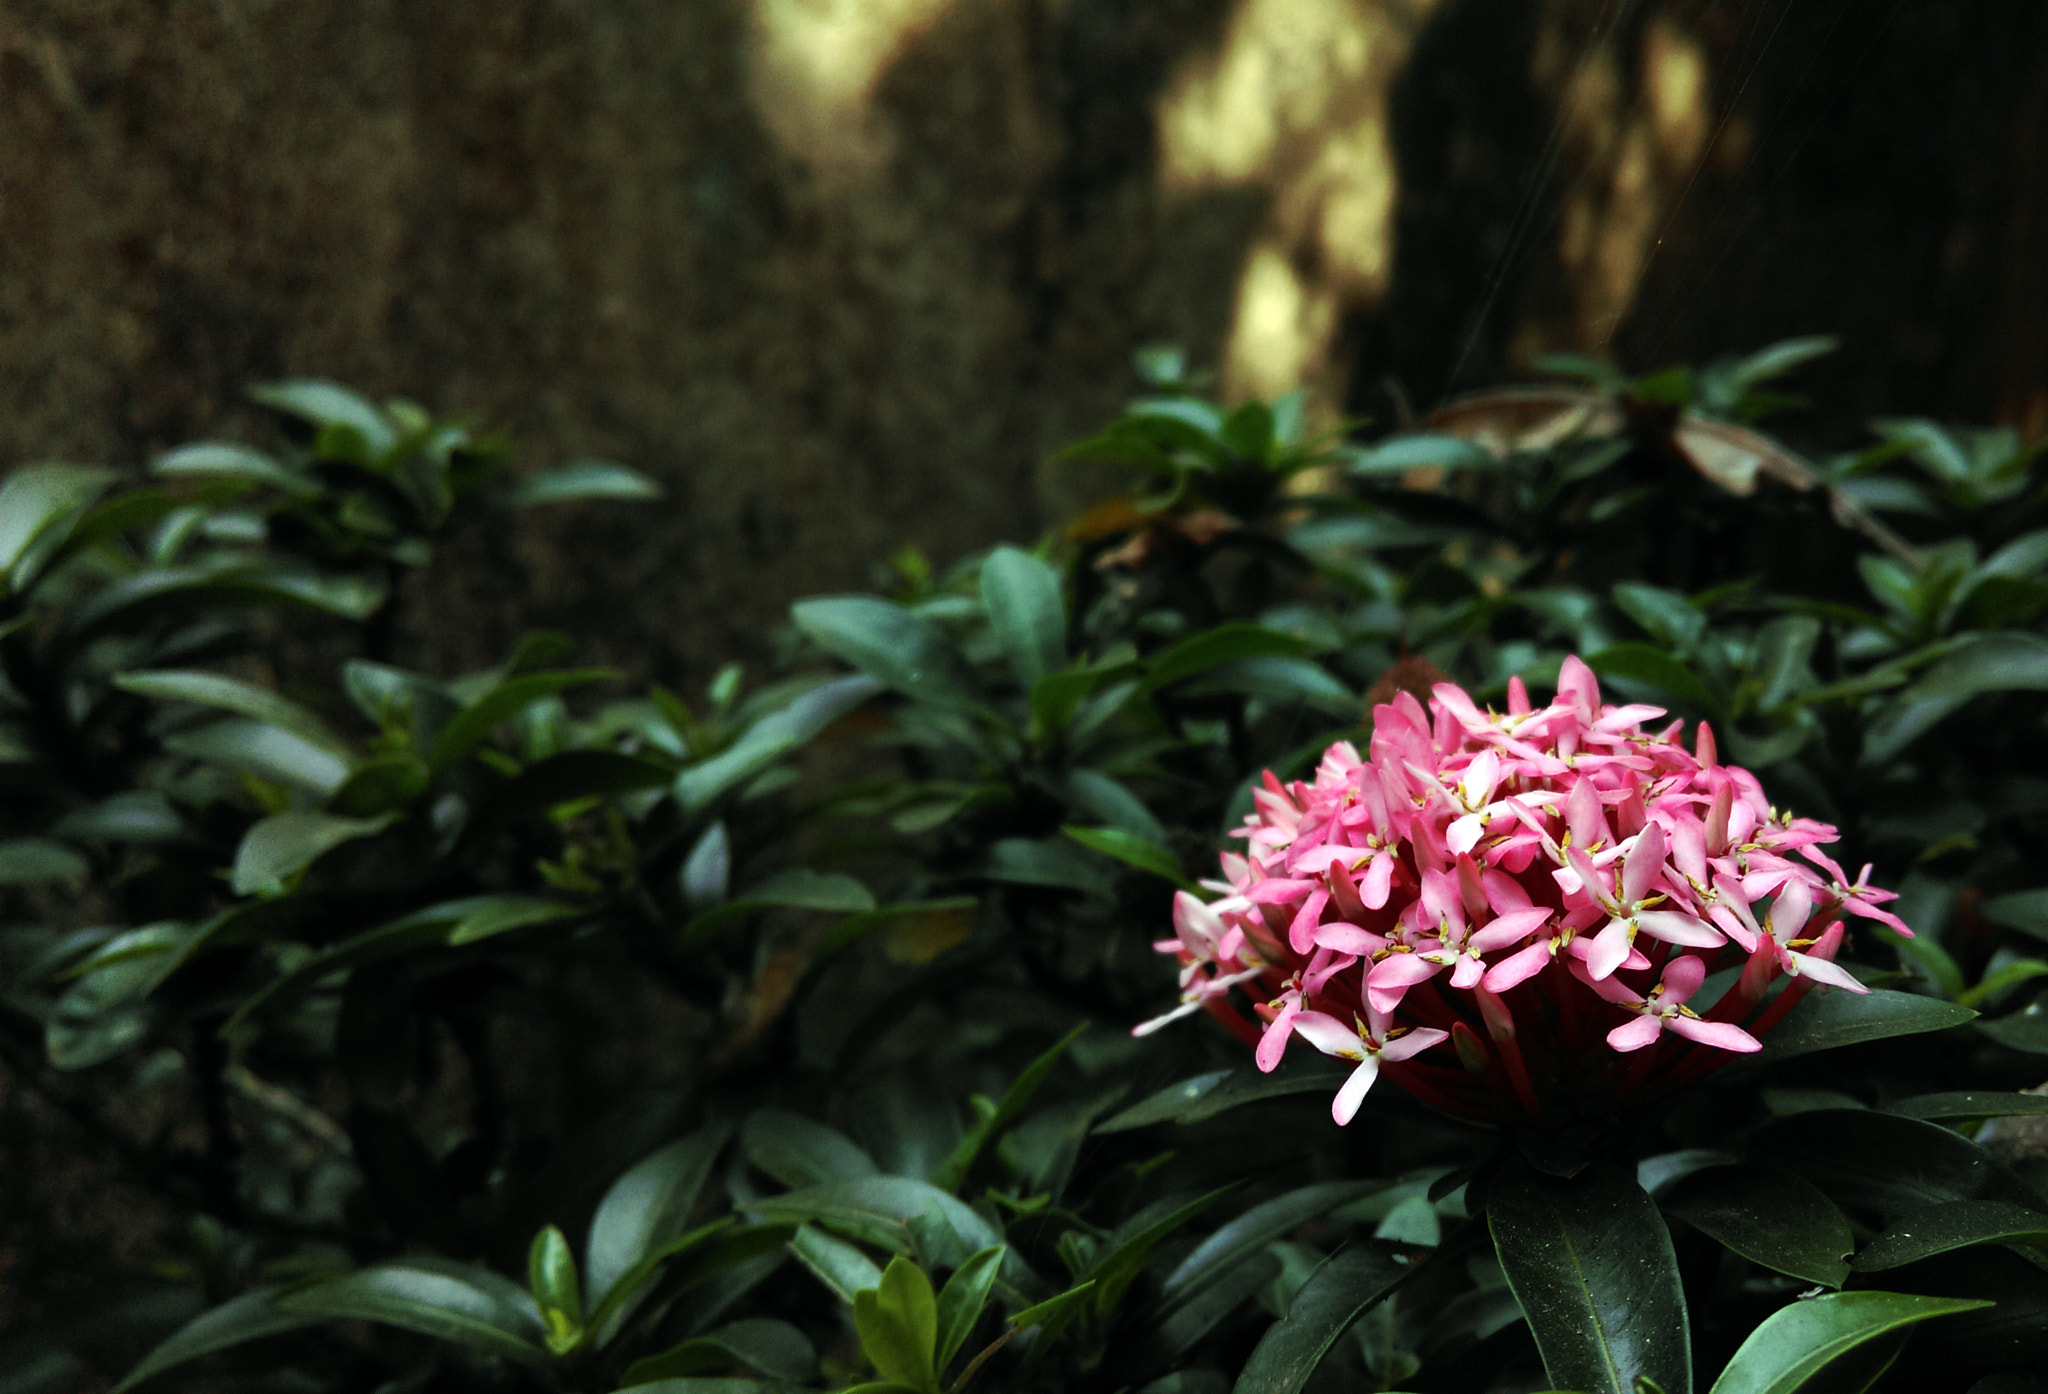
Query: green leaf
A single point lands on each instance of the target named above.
(2025, 1029)
(1645, 663)
(1799, 1340)
(876, 1210)
(38, 497)
(234, 462)
(551, 1277)
(1335, 1296)
(1279, 680)
(1112, 803)
(1969, 1103)
(1206, 1095)
(226, 694)
(798, 1151)
(326, 404)
(898, 1323)
(583, 479)
(1592, 1265)
(1132, 850)
(837, 1264)
(28, 861)
(645, 1210)
(250, 1317)
(1236, 1242)
(1126, 1252)
(1861, 1157)
(890, 644)
(1769, 1217)
(1022, 597)
(286, 843)
(1013, 1102)
(501, 914)
(760, 1344)
(1055, 1312)
(1830, 1017)
(450, 1301)
(1671, 619)
(962, 1299)
(1955, 1225)
(1421, 451)
(1249, 431)
(1047, 862)
(770, 739)
(706, 877)
(2025, 911)
(2003, 661)
(265, 751)
(1226, 643)
(471, 726)
(801, 888)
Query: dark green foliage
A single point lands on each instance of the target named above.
(543, 1036)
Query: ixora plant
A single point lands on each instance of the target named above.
(501, 1033)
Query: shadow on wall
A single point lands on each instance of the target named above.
(843, 272)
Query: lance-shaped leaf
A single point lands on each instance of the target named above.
(1132, 850)
(250, 1317)
(1830, 1018)
(962, 1299)
(452, 1301)
(551, 1278)
(36, 498)
(1968, 1104)
(1864, 1158)
(1245, 1236)
(992, 1122)
(237, 463)
(646, 1210)
(837, 1264)
(778, 734)
(1798, 1341)
(474, 723)
(1206, 1095)
(1126, 1252)
(1226, 643)
(762, 1345)
(1770, 1217)
(890, 644)
(242, 699)
(877, 1210)
(799, 1151)
(1022, 597)
(1335, 1296)
(286, 843)
(1956, 1225)
(1592, 1266)
(583, 479)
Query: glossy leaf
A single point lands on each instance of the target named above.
(229, 695)
(955, 1168)
(38, 497)
(771, 738)
(250, 1317)
(890, 644)
(1829, 1018)
(1421, 451)
(762, 1345)
(252, 747)
(1861, 1157)
(1592, 1265)
(876, 1210)
(799, 1151)
(451, 1301)
(1206, 1095)
(1237, 1241)
(1646, 663)
(2025, 1029)
(837, 1264)
(1126, 1252)
(1336, 1295)
(322, 403)
(1969, 1103)
(474, 723)
(501, 914)
(897, 1321)
(1956, 1225)
(961, 1301)
(1022, 597)
(647, 1208)
(1050, 862)
(1798, 1341)
(286, 843)
(28, 861)
(1225, 643)
(551, 1278)
(213, 460)
(583, 479)
(1769, 1217)
(2026, 911)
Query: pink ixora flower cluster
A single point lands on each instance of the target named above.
(1512, 913)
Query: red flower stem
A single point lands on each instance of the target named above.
(1233, 1019)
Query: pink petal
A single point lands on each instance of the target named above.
(1722, 1035)
(1674, 928)
(1464, 834)
(1468, 972)
(1352, 1093)
(1301, 934)
(1607, 951)
(1413, 1044)
(1822, 971)
(1682, 978)
(1645, 860)
(1634, 1035)
(1379, 879)
(1517, 968)
(1329, 1035)
(1273, 1042)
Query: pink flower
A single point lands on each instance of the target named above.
(1555, 879)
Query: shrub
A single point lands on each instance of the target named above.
(784, 1038)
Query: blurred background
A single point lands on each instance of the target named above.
(842, 273)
